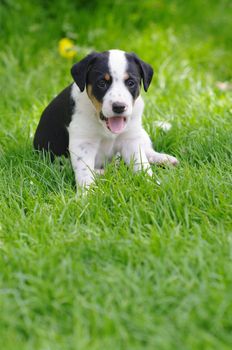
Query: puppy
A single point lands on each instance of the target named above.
(99, 115)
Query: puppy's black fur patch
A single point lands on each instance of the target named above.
(134, 76)
(96, 76)
(90, 71)
(146, 71)
(51, 133)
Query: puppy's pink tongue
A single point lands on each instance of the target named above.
(116, 124)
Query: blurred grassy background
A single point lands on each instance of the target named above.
(183, 41)
(135, 265)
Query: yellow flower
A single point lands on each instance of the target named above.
(67, 48)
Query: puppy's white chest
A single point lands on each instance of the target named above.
(105, 152)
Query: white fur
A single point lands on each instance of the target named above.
(90, 141)
(118, 91)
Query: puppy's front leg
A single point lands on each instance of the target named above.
(83, 155)
(134, 150)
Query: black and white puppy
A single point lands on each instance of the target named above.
(99, 115)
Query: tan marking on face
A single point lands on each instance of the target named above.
(126, 76)
(107, 77)
(96, 103)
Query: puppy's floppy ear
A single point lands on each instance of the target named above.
(146, 71)
(79, 70)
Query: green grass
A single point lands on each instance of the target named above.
(138, 263)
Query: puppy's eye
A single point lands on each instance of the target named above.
(130, 83)
(102, 84)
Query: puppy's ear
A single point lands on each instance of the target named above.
(146, 71)
(79, 70)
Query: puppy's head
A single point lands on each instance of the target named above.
(112, 80)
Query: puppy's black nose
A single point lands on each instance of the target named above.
(119, 107)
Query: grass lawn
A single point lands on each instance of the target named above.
(138, 263)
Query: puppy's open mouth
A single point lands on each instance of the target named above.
(114, 124)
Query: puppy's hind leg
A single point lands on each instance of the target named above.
(99, 171)
(160, 158)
